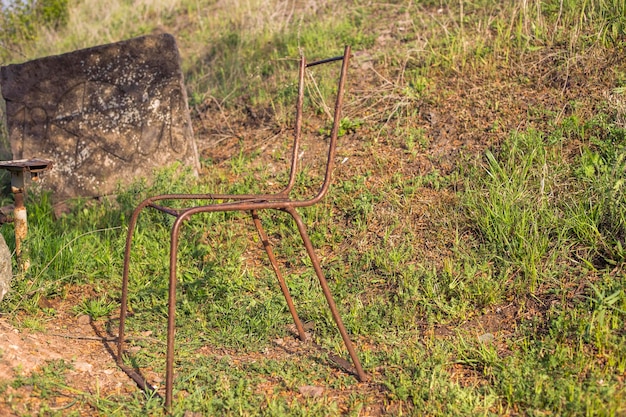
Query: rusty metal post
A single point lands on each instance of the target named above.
(20, 219)
(18, 168)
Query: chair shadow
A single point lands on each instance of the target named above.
(131, 371)
(334, 360)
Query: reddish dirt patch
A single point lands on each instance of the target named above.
(76, 341)
(87, 348)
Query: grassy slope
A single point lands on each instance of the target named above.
(475, 237)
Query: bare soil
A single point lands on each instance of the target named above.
(78, 341)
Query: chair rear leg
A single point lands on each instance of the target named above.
(279, 276)
(362, 376)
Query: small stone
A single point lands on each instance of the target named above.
(486, 338)
(311, 391)
(83, 367)
(84, 319)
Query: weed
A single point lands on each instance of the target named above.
(95, 308)
(346, 126)
(512, 207)
(48, 381)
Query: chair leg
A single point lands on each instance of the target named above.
(279, 276)
(171, 311)
(362, 376)
(169, 379)
(124, 301)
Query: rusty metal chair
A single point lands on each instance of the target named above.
(253, 204)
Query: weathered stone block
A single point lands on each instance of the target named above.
(6, 274)
(104, 115)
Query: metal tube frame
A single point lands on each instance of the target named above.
(252, 204)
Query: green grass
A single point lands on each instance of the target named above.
(480, 278)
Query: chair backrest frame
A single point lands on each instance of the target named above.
(283, 195)
(334, 133)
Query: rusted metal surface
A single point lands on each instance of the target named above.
(253, 204)
(18, 169)
(33, 165)
(20, 222)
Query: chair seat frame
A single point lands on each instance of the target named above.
(252, 203)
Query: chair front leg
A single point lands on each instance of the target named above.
(171, 310)
(132, 224)
(281, 281)
(362, 376)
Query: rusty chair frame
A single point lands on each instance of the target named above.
(251, 203)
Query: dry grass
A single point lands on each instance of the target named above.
(95, 22)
